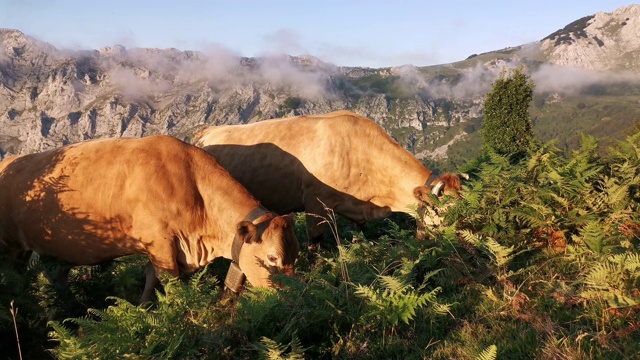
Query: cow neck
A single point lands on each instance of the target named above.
(236, 246)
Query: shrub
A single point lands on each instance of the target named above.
(507, 128)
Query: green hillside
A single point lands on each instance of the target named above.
(538, 259)
(609, 116)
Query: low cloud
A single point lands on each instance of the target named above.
(366, 57)
(279, 71)
(140, 71)
(135, 83)
(478, 81)
(572, 81)
(470, 83)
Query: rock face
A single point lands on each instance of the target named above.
(50, 97)
(604, 41)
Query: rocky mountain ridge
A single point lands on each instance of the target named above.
(51, 97)
(592, 42)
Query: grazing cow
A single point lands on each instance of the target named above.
(342, 160)
(97, 200)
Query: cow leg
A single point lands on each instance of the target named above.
(359, 212)
(358, 228)
(162, 259)
(151, 284)
(421, 230)
(316, 218)
(153, 281)
(315, 230)
(19, 260)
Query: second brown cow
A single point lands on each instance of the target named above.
(340, 160)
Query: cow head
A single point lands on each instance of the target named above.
(446, 184)
(269, 247)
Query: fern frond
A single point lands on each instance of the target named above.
(392, 283)
(536, 216)
(615, 195)
(272, 350)
(615, 280)
(592, 235)
(490, 353)
(502, 254)
(395, 302)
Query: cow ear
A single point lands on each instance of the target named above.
(291, 218)
(247, 231)
(281, 222)
(423, 193)
(284, 221)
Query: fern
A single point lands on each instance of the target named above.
(614, 280)
(125, 330)
(396, 301)
(500, 254)
(490, 353)
(593, 236)
(269, 349)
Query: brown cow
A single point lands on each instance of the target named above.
(341, 159)
(97, 200)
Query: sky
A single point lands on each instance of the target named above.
(369, 33)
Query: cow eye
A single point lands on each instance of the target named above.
(272, 260)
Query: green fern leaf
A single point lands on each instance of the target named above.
(490, 353)
(392, 283)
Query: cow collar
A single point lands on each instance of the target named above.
(433, 177)
(235, 277)
(236, 246)
(435, 189)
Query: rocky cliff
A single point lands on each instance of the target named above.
(50, 97)
(604, 41)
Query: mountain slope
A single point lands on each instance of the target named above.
(604, 41)
(50, 97)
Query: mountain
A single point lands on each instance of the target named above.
(586, 77)
(604, 41)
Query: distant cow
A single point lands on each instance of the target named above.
(340, 159)
(98, 200)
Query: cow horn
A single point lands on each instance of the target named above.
(464, 176)
(436, 189)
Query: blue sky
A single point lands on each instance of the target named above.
(349, 33)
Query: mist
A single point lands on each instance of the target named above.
(573, 81)
(477, 81)
(141, 72)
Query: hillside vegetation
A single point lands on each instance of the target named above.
(606, 113)
(537, 259)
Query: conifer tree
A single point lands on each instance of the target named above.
(507, 127)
